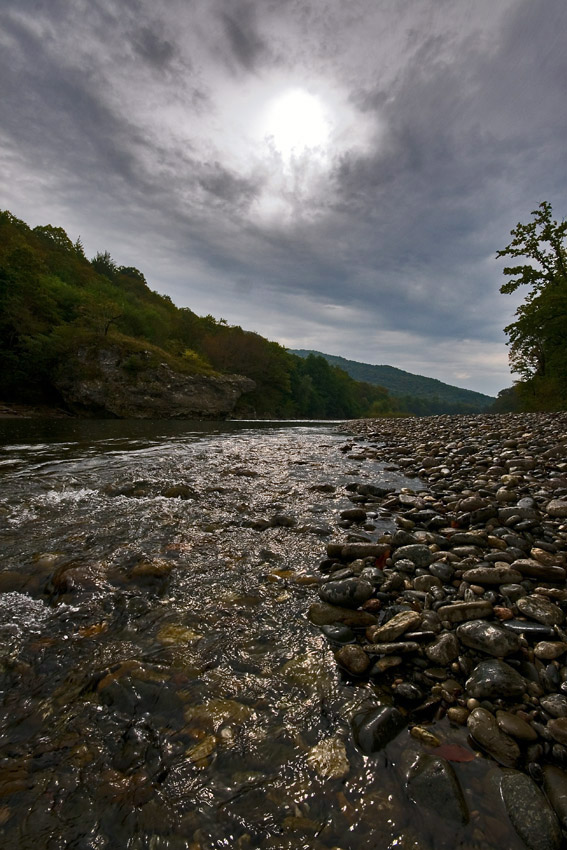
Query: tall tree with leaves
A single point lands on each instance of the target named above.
(538, 337)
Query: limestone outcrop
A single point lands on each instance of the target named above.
(111, 383)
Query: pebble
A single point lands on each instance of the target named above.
(473, 573)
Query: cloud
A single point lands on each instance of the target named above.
(139, 126)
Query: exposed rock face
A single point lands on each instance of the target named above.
(105, 385)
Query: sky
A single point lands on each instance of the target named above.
(333, 174)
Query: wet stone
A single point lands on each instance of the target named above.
(374, 729)
(488, 637)
(554, 704)
(541, 609)
(354, 515)
(348, 593)
(484, 729)
(547, 650)
(514, 726)
(444, 650)
(555, 784)
(495, 575)
(494, 679)
(557, 508)
(531, 630)
(459, 612)
(394, 628)
(353, 659)
(432, 784)
(338, 633)
(416, 553)
(558, 729)
(321, 614)
(329, 759)
(531, 568)
(396, 648)
(529, 811)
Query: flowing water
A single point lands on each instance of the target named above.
(161, 684)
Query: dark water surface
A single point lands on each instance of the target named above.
(161, 686)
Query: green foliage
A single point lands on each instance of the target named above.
(538, 338)
(415, 394)
(54, 302)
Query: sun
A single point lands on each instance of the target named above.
(297, 122)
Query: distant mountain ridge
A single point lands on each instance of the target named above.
(420, 394)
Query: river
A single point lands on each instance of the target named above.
(161, 684)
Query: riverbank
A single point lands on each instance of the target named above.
(32, 411)
(458, 617)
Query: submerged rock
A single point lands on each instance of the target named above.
(374, 729)
(432, 784)
(530, 813)
(485, 730)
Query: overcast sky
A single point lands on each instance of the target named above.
(334, 174)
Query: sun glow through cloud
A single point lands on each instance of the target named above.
(297, 122)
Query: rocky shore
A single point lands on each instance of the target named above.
(460, 613)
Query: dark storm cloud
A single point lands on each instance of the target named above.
(156, 50)
(226, 186)
(240, 28)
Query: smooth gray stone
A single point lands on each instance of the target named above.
(374, 729)
(488, 637)
(432, 784)
(530, 813)
(494, 679)
(348, 593)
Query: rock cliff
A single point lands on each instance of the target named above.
(109, 382)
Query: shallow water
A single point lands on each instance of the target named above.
(161, 684)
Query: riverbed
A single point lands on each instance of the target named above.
(162, 686)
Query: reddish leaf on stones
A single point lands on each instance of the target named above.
(380, 561)
(454, 752)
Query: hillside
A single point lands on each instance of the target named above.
(92, 337)
(417, 393)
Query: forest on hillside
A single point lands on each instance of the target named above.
(55, 301)
(418, 394)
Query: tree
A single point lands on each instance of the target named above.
(104, 264)
(537, 339)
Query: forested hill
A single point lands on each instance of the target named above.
(63, 317)
(416, 393)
